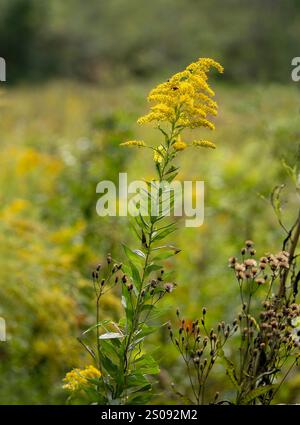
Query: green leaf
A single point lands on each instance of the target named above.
(171, 250)
(109, 366)
(163, 256)
(256, 393)
(135, 275)
(230, 370)
(141, 222)
(147, 330)
(127, 303)
(135, 256)
(146, 364)
(163, 234)
(152, 268)
(171, 170)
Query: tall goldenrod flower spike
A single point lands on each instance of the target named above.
(134, 143)
(204, 144)
(186, 98)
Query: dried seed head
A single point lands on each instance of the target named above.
(250, 262)
(241, 275)
(260, 280)
(232, 261)
(249, 244)
(153, 283)
(169, 287)
(196, 360)
(108, 258)
(263, 260)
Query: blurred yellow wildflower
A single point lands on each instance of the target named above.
(185, 99)
(134, 143)
(77, 379)
(204, 144)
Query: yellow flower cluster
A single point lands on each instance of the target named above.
(186, 98)
(76, 379)
(158, 154)
(204, 144)
(134, 143)
(179, 145)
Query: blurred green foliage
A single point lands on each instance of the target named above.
(109, 40)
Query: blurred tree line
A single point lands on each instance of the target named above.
(103, 39)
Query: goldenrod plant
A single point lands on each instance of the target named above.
(123, 368)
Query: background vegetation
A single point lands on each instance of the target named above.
(77, 80)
